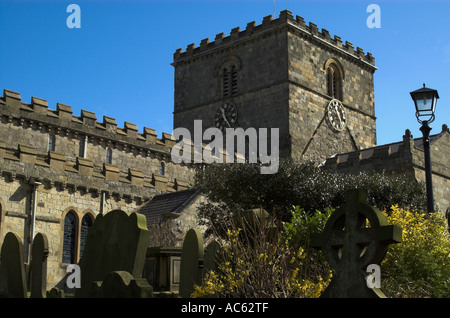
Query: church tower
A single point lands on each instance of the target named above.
(281, 74)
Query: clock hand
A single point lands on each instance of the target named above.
(224, 117)
(337, 112)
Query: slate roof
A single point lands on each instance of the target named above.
(167, 203)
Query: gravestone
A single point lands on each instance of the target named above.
(258, 225)
(191, 266)
(117, 241)
(121, 284)
(211, 257)
(39, 254)
(12, 271)
(355, 236)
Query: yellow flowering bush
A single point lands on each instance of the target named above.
(260, 263)
(420, 265)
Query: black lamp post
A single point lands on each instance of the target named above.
(425, 101)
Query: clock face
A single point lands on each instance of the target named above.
(226, 116)
(336, 115)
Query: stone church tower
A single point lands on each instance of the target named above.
(281, 74)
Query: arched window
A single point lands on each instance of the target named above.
(69, 240)
(162, 168)
(230, 81)
(109, 156)
(227, 71)
(86, 223)
(334, 80)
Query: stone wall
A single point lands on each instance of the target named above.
(67, 180)
(281, 83)
(404, 158)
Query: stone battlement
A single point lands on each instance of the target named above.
(54, 170)
(394, 156)
(310, 31)
(63, 120)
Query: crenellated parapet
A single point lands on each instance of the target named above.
(55, 171)
(396, 157)
(285, 19)
(62, 120)
(25, 128)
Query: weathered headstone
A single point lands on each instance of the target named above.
(121, 284)
(117, 241)
(355, 236)
(55, 293)
(39, 254)
(211, 257)
(12, 271)
(191, 266)
(258, 225)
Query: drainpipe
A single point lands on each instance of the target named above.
(35, 185)
(85, 146)
(102, 204)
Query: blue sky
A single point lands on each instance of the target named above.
(118, 63)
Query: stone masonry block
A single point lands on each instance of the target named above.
(12, 98)
(39, 105)
(136, 177)
(168, 139)
(56, 160)
(85, 166)
(150, 135)
(160, 182)
(64, 111)
(27, 154)
(88, 118)
(2, 149)
(131, 129)
(111, 172)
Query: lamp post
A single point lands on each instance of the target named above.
(425, 102)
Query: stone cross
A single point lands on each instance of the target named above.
(355, 236)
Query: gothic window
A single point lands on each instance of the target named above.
(227, 71)
(51, 142)
(69, 239)
(86, 223)
(230, 83)
(162, 168)
(334, 80)
(109, 156)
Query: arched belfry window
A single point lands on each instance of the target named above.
(334, 75)
(230, 81)
(69, 239)
(227, 70)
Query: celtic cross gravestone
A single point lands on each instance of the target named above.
(355, 236)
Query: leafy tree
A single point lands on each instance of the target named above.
(236, 187)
